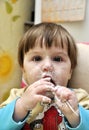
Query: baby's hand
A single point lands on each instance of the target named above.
(67, 102)
(36, 92)
(33, 94)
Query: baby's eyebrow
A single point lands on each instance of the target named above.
(62, 53)
(34, 52)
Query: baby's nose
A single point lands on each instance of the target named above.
(47, 65)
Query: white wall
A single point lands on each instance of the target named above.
(79, 29)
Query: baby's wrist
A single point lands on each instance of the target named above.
(24, 106)
(74, 119)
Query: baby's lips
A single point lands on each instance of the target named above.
(52, 81)
(46, 78)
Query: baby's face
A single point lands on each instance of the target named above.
(53, 62)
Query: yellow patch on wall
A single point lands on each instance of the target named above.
(14, 1)
(9, 73)
(13, 15)
(5, 65)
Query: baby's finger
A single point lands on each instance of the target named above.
(63, 93)
(44, 88)
(44, 99)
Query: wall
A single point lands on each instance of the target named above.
(78, 29)
(13, 14)
(12, 18)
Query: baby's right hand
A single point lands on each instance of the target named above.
(35, 93)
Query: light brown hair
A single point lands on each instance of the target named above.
(48, 34)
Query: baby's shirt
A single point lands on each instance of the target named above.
(8, 111)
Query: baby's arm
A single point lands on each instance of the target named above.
(67, 102)
(6, 118)
(84, 117)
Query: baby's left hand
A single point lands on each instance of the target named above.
(67, 102)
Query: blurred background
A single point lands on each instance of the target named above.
(16, 16)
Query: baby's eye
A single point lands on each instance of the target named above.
(37, 58)
(57, 58)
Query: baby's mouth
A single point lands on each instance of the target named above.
(49, 93)
(52, 81)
